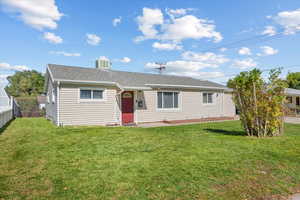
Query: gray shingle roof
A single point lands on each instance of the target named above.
(125, 79)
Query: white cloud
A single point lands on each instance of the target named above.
(52, 38)
(190, 27)
(245, 63)
(186, 68)
(200, 75)
(6, 66)
(192, 65)
(38, 14)
(116, 21)
(268, 51)
(269, 30)
(148, 21)
(210, 59)
(65, 53)
(153, 26)
(244, 51)
(177, 12)
(166, 46)
(93, 39)
(289, 20)
(3, 78)
(223, 49)
(181, 66)
(125, 60)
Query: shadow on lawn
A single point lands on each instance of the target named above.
(5, 127)
(226, 132)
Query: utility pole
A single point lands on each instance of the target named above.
(162, 66)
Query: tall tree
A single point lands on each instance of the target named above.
(293, 80)
(260, 102)
(25, 83)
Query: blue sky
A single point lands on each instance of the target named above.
(192, 37)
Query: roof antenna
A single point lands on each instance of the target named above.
(162, 66)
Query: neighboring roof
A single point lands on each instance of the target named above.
(291, 91)
(125, 79)
(3, 92)
(41, 99)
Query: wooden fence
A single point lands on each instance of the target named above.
(5, 116)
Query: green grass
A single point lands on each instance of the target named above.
(202, 161)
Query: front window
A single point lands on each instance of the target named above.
(91, 94)
(289, 99)
(167, 99)
(207, 98)
(298, 101)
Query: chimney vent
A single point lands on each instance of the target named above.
(103, 63)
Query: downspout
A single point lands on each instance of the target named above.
(57, 103)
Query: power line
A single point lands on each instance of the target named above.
(256, 39)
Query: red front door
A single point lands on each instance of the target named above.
(127, 107)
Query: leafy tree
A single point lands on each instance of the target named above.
(293, 80)
(25, 83)
(261, 103)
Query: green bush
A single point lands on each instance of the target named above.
(29, 107)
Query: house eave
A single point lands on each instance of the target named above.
(184, 86)
(106, 83)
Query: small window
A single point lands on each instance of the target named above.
(207, 98)
(289, 99)
(91, 94)
(97, 94)
(297, 101)
(85, 94)
(53, 96)
(168, 100)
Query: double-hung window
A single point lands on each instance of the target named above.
(167, 100)
(207, 98)
(289, 99)
(91, 94)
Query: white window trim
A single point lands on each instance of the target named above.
(169, 109)
(91, 100)
(213, 98)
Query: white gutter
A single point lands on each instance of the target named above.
(136, 88)
(87, 82)
(50, 72)
(185, 86)
(57, 103)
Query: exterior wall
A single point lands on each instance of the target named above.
(51, 107)
(73, 111)
(229, 107)
(190, 107)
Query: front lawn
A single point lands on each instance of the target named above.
(202, 161)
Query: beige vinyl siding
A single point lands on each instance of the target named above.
(190, 107)
(73, 111)
(229, 107)
(51, 107)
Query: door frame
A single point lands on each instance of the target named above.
(134, 104)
